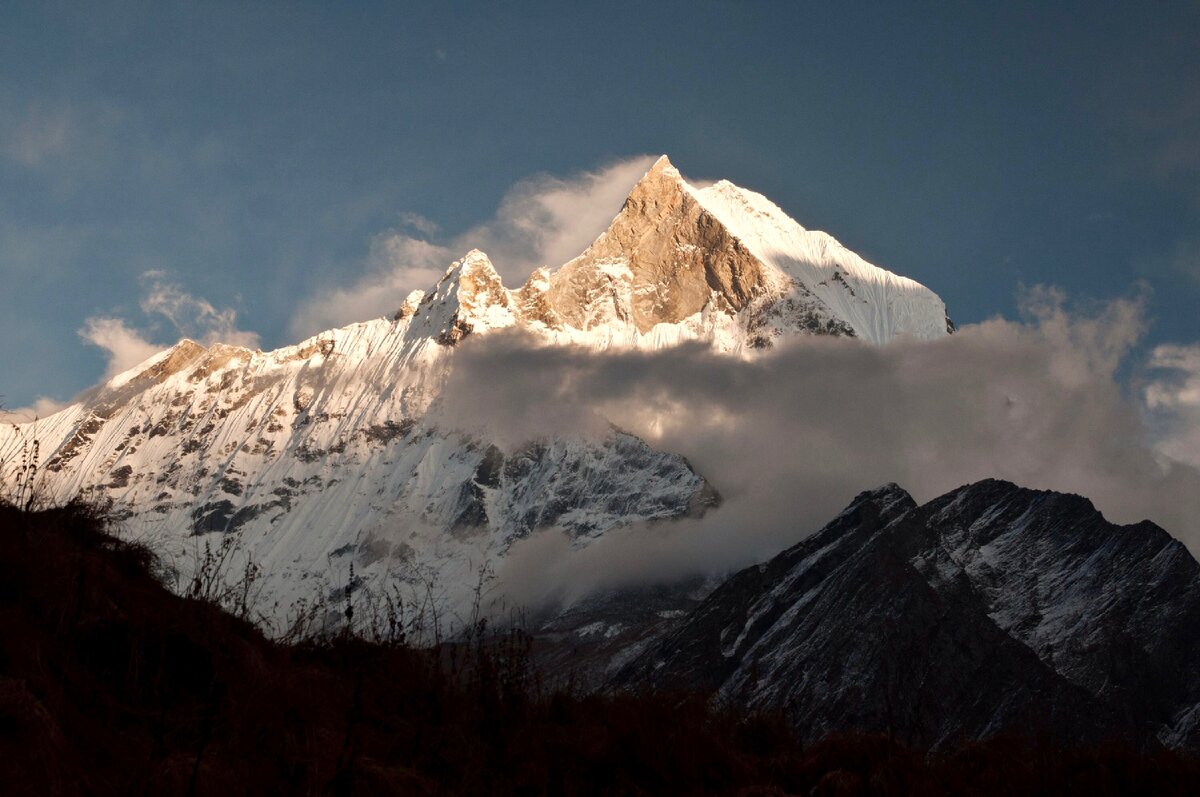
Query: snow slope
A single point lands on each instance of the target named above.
(318, 455)
(877, 304)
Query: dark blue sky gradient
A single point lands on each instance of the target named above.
(254, 153)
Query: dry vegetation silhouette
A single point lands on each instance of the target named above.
(110, 684)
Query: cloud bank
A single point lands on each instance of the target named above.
(542, 220)
(790, 437)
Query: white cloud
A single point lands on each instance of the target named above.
(42, 407)
(126, 347)
(542, 220)
(192, 316)
(1172, 398)
(1085, 344)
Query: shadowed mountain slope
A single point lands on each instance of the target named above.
(990, 610)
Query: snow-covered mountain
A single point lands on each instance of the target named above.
(320, 455)
(992, 609)
(720, 264)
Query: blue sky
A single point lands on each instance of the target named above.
(220, 170)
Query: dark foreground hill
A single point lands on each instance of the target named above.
(991, 610)
(112, 685)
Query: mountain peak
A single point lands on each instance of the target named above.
(477, 259)
(1018, 610)
(661, 175)
(473, 262)
(663, 260)
(162, 364)
(679, 262)
(663, 165)
(661, 187)
(469, 297)
(890, 493)
(465, 276)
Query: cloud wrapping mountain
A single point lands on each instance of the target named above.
(790, 436)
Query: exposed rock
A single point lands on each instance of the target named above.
(671, 254)
(992, 609)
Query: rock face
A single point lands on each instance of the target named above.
(666, 257)
(720, 264)
(992, 609)
(319, 455)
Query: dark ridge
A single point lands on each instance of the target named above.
(991, 610)
(112, 685)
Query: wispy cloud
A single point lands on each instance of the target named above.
(43, 131)
(542, 220)
(419, 223)
(127, 344)
(548, 220)
(397, 265)
(192, 316)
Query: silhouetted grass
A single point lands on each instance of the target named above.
(112, 685)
